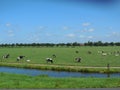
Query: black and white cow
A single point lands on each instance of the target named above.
(49, 60)
(78, 59)
(6, 56)
(20, 57)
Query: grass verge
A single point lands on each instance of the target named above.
(62, 67)
(23, 81)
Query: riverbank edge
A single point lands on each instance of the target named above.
(63, 68)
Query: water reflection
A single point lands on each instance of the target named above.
(35, 72)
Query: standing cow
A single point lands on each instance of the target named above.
(78, 59)
(89, 52)
(49, 60)
(20, 57)
(53, 56)
(6, 56)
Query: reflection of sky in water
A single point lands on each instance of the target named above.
(34, 72)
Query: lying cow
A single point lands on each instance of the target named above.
(20, 57)
(49, 60)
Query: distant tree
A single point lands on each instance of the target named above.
(13, 45)
(75, 44)
(69, 44)
(111, 44)
(99, 43)
(117, 43)
(106, 44)
(90, 43)
(62, 44)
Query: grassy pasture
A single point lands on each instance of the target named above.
(10, 81)
(65, 56)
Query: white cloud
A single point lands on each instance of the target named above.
(84, 30)
(86, 24)
(48, 34)
(110, 28)
(113, 34)
(66, 28)
(82, 36)
(8, 24)
(41, 27)
(90, 37)
(88, 30)
(34, 38)
(107, 35)
(71, 35)
(10, 33)
(91, 30)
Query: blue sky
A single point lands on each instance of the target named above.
(59, 21)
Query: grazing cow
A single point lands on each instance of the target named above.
(6, 56)
(116, 54)
(49, 60)
(20, 57)
(54, 56)
(89, 52)
(28, 60)
(100, 52)
(76, 51)
(78, 59)
(104, 54)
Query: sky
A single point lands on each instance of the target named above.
(59, 21)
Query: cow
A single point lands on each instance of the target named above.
(49, 60)
(104, 54)
(28, 60)
(53, 56)
(78, 59)
(20, 57)
(89, 52)
(76, 51)
(6, 56)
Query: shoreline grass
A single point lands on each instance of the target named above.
(62, 68)
(12, 81)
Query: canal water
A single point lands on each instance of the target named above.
(35, 72)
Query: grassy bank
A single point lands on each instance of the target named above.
(62, 67)
(23, 81)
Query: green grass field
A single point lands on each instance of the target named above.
(22, 81)
(65, 56)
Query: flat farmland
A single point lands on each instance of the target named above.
(64, 55)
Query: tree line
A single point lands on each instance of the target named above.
(89, 43)
(100, 43)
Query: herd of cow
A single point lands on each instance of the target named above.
(77, 59)
(6, 56)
